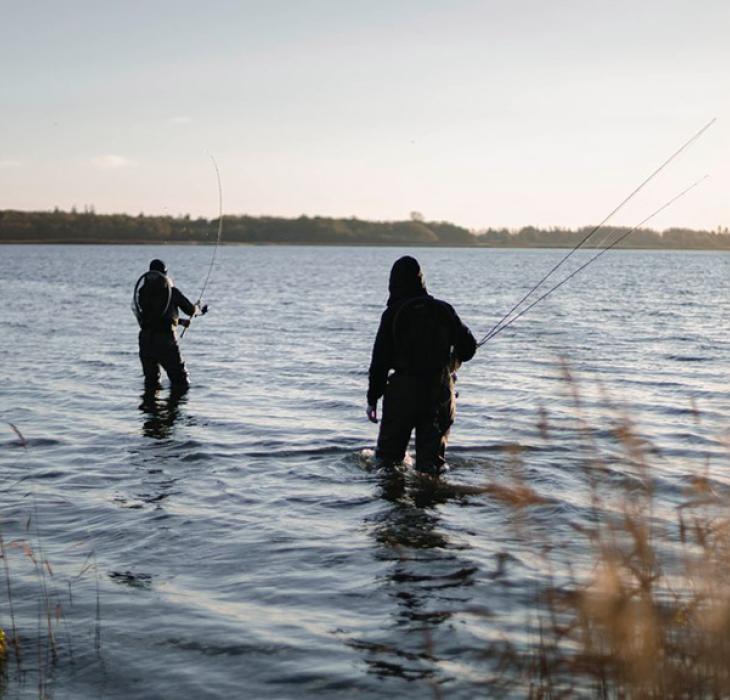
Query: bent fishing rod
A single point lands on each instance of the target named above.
(217, 243)
(495, 328)
(592, 259)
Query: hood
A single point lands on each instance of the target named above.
(406, 280)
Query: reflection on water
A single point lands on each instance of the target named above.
(426, 579)
(161, 414)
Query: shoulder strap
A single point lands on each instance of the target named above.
(152, 296)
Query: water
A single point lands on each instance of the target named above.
(240, 543)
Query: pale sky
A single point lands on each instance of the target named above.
(480, 112)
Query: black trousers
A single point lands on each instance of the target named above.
(421, 402)
(159, 348)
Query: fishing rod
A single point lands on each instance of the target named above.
(592, 259)
(217, 243)
(492, 331)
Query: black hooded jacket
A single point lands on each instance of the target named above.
(407, 283)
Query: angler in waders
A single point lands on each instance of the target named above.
(423, 340)
(156, 304)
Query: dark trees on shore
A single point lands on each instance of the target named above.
(89, 227)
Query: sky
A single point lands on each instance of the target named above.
(480, 112)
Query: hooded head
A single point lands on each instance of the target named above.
(158, 266)
(406, 280)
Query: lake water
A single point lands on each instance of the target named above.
(241, 543)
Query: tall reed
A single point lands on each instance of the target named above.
(649, 616)
(41, 590)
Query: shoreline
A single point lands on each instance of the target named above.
(344, 244)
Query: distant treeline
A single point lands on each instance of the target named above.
(676, 238)
(90, 227)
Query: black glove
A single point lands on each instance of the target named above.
(204, 310)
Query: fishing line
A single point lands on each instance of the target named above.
(592, 258)
(492, 331)
(217, 243)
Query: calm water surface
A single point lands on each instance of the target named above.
(241, 543)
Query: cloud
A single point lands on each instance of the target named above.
(112, 162)
(181, 119)
(10, 163)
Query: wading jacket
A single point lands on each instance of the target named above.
(168, 322)
(384, 357)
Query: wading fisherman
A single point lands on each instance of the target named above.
(156, 304)
(425, 342)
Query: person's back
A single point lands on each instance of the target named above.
(424, 341)
(153, 301)
(423, 335)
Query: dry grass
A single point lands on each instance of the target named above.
(649, 617)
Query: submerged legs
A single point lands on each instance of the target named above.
(161, 349)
